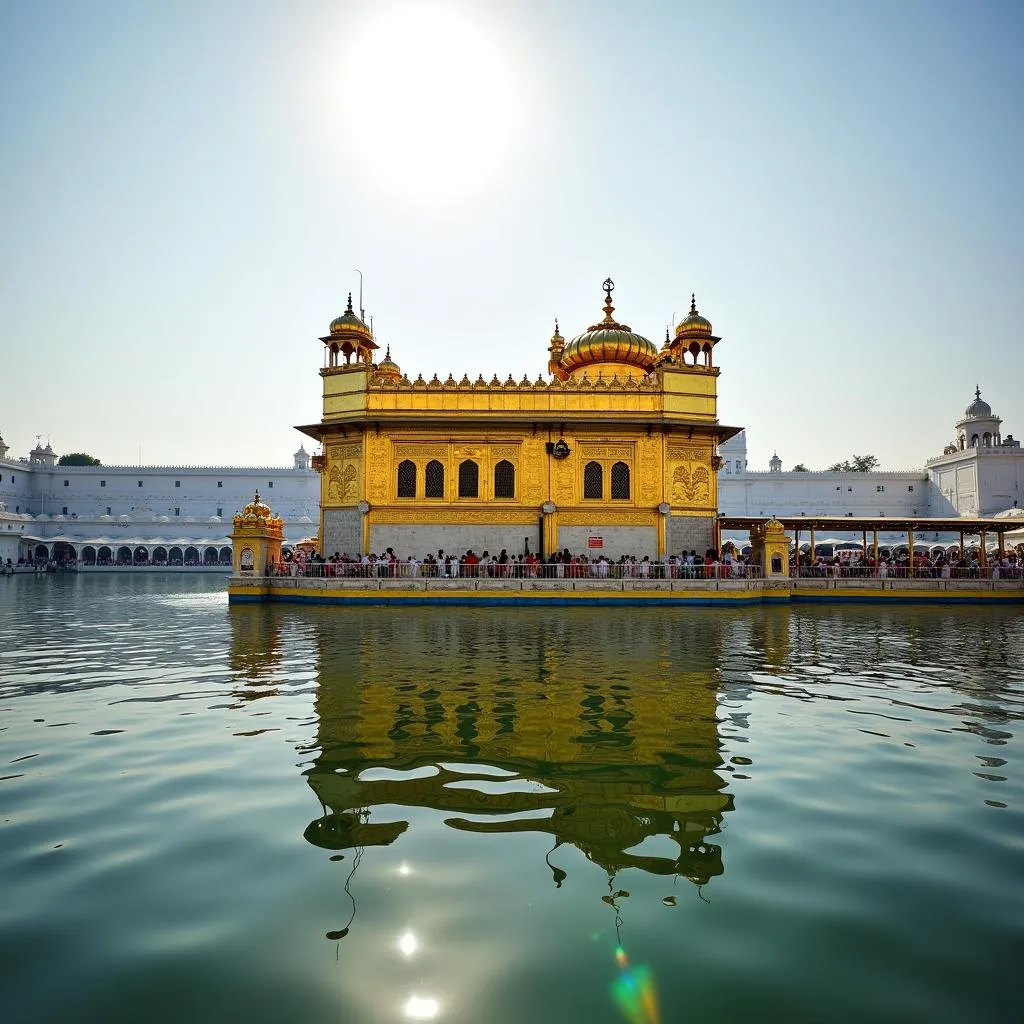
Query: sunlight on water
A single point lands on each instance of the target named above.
(476, 816)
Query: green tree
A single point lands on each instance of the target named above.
(858, 464)
(77, 459)
(800, 468)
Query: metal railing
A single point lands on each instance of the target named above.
(919, 572)
(517, 570)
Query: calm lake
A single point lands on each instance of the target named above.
(487, 816)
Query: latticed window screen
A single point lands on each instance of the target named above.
(593, 480)
(407, 479)
(435, 479)
(469, 479)
(504, 480)
(620, 480)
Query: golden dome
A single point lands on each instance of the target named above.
(693, 323)
(259, 515)
(349, 323)
(387, 368)
(609, 342)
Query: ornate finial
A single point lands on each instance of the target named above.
(693, 302)
(256, 500)
(348, 308)
(608, 287)
(556, 325)
(387, 353)
(977, 391)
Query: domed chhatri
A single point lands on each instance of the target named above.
(387, 369)
(257, 513)
(349, 323)
(609, 342)
(979, 408)
(693, 323)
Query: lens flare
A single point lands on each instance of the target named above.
(634, 993)
(422, 1008)
(408, 944)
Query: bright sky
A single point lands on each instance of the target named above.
(187, 187)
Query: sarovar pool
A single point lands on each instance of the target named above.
(478, 815)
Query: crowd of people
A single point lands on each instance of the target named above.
(560, 565)
(937, 565)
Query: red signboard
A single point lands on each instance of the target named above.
(595, 542)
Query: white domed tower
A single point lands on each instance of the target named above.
(979, 426)
(301, 458)
(775, 464)
(981, 473)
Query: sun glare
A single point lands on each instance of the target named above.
(431, 108)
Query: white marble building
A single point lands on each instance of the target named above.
(981, 473)
(148, 513)
(143, 514)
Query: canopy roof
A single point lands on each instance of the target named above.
(970, 525)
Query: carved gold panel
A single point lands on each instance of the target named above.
(690, 483)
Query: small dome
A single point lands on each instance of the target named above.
(304, 519)
(42, 518)
(124, 519)
(163, 519)
(215, 519)
(59, 518)
(349, 323)
(609, 342)
(978, 409)
(301, 451)
(106, 519)
(388, 368)
(693, 323)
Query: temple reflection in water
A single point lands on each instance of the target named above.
(600, 731)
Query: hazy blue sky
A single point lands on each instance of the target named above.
(186, 187)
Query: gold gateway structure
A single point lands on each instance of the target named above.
(614, 452)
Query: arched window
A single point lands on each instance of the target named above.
(974, 440)
(469, 479)
(593, 480)
(435, 479)
(986, 439)
(504, 480)
(620, 480)
(407, 479)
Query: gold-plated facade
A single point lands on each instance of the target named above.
(401, 452)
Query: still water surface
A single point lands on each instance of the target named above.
(481, 815)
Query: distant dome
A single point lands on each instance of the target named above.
(106, 519)
(215, 519)
(43, 517)
(59, 518)
(124, 519)
(190, 519)
(304, 519)
(979, 409)
(608, 342)
(163, 519)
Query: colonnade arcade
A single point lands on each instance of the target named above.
(197, 554)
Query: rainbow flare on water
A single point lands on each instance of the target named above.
(633, 991)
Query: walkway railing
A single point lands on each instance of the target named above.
(517, 570)
(920, 572)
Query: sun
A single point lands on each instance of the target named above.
(431, 106)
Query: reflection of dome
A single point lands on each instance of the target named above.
(608, 342)
(693, 323)
(349, 323)
(978, 409)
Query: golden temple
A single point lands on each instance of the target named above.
(616, 449)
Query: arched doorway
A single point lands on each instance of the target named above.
(88, 555)
(142, 556)
(104, 556)
(225, 556)
(42, 553)
(210, 556)
(63, 553)
(191, 556)
(175, 557)
(124, 556)
(159, 556)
